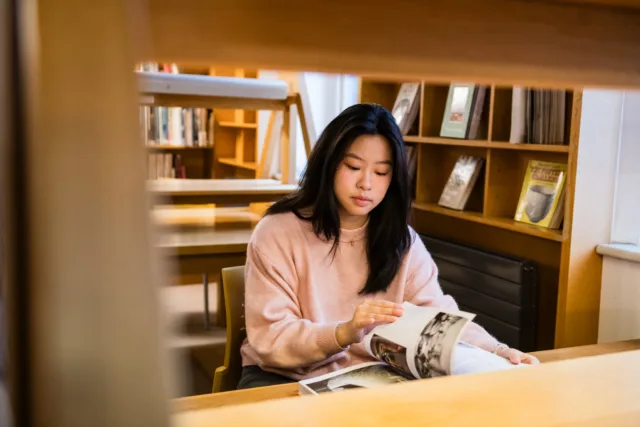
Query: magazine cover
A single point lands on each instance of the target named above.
(423, 343)
(405, 108)
(542, 194)
(461, 181)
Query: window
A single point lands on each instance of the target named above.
(626, 214)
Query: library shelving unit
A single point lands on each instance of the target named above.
(232, 150)
(235, 101)
(487, 222)
(235, 134)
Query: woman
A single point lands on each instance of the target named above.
(336, 258)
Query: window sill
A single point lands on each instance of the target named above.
(626, 252)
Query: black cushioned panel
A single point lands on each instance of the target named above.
(501, 290)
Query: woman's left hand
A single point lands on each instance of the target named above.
(516, 357)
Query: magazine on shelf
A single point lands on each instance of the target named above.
(542, 196)
(423, 343)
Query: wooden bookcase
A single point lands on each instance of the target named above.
(487, 221)
(234, 153)
(235, 134)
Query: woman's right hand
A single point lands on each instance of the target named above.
(367, 316)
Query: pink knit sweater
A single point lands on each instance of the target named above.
(297, 293)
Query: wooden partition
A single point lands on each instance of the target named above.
(81, 254)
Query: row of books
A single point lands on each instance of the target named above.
(463, 112)
(165, 166)
(174, 126)
(542, 195)
(537, 115)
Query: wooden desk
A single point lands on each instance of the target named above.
(192, 253)
(221, 191)
(194, 217)
(205, 241)
(585, 392)
(217, 400)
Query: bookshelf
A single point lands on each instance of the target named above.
(230, 99)
(223, 143)
(487, 220)
(235, 134)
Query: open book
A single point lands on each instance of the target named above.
(423, 343)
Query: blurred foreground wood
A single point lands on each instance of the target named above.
(564, 43)
(90, 347)
(585, 392)
(215, 400)
(94, 346)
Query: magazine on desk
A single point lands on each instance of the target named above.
(423, 343)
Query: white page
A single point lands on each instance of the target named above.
(364, 375)
(422, 334)
(468, 359)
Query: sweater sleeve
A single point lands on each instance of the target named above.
(422, 288)
(276, 329)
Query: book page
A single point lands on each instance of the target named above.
(421, 342)
(365, 375)
(469, 359)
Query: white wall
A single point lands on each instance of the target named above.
(620, 300)
(611, 117)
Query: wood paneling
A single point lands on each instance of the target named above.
(493, 41)
(631, 4)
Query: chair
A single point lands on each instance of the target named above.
(226, 377)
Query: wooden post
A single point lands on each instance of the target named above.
(285, 154)
(261, 173)
(95, 354)
(303, 125)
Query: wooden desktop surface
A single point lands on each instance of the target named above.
(586, 392)
(205, 242)
(204, 230)
(206, 216)
(219, 190)
(211, 401)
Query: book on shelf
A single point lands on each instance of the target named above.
(518, 113)
(165, 166)
(406, 106)
(174, 126)
(463, 112)
(423, 343)
(542, 196)
(461, 181)
(538, 116)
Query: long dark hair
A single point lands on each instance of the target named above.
(388, 236)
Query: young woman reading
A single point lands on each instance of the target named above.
(336, 258)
